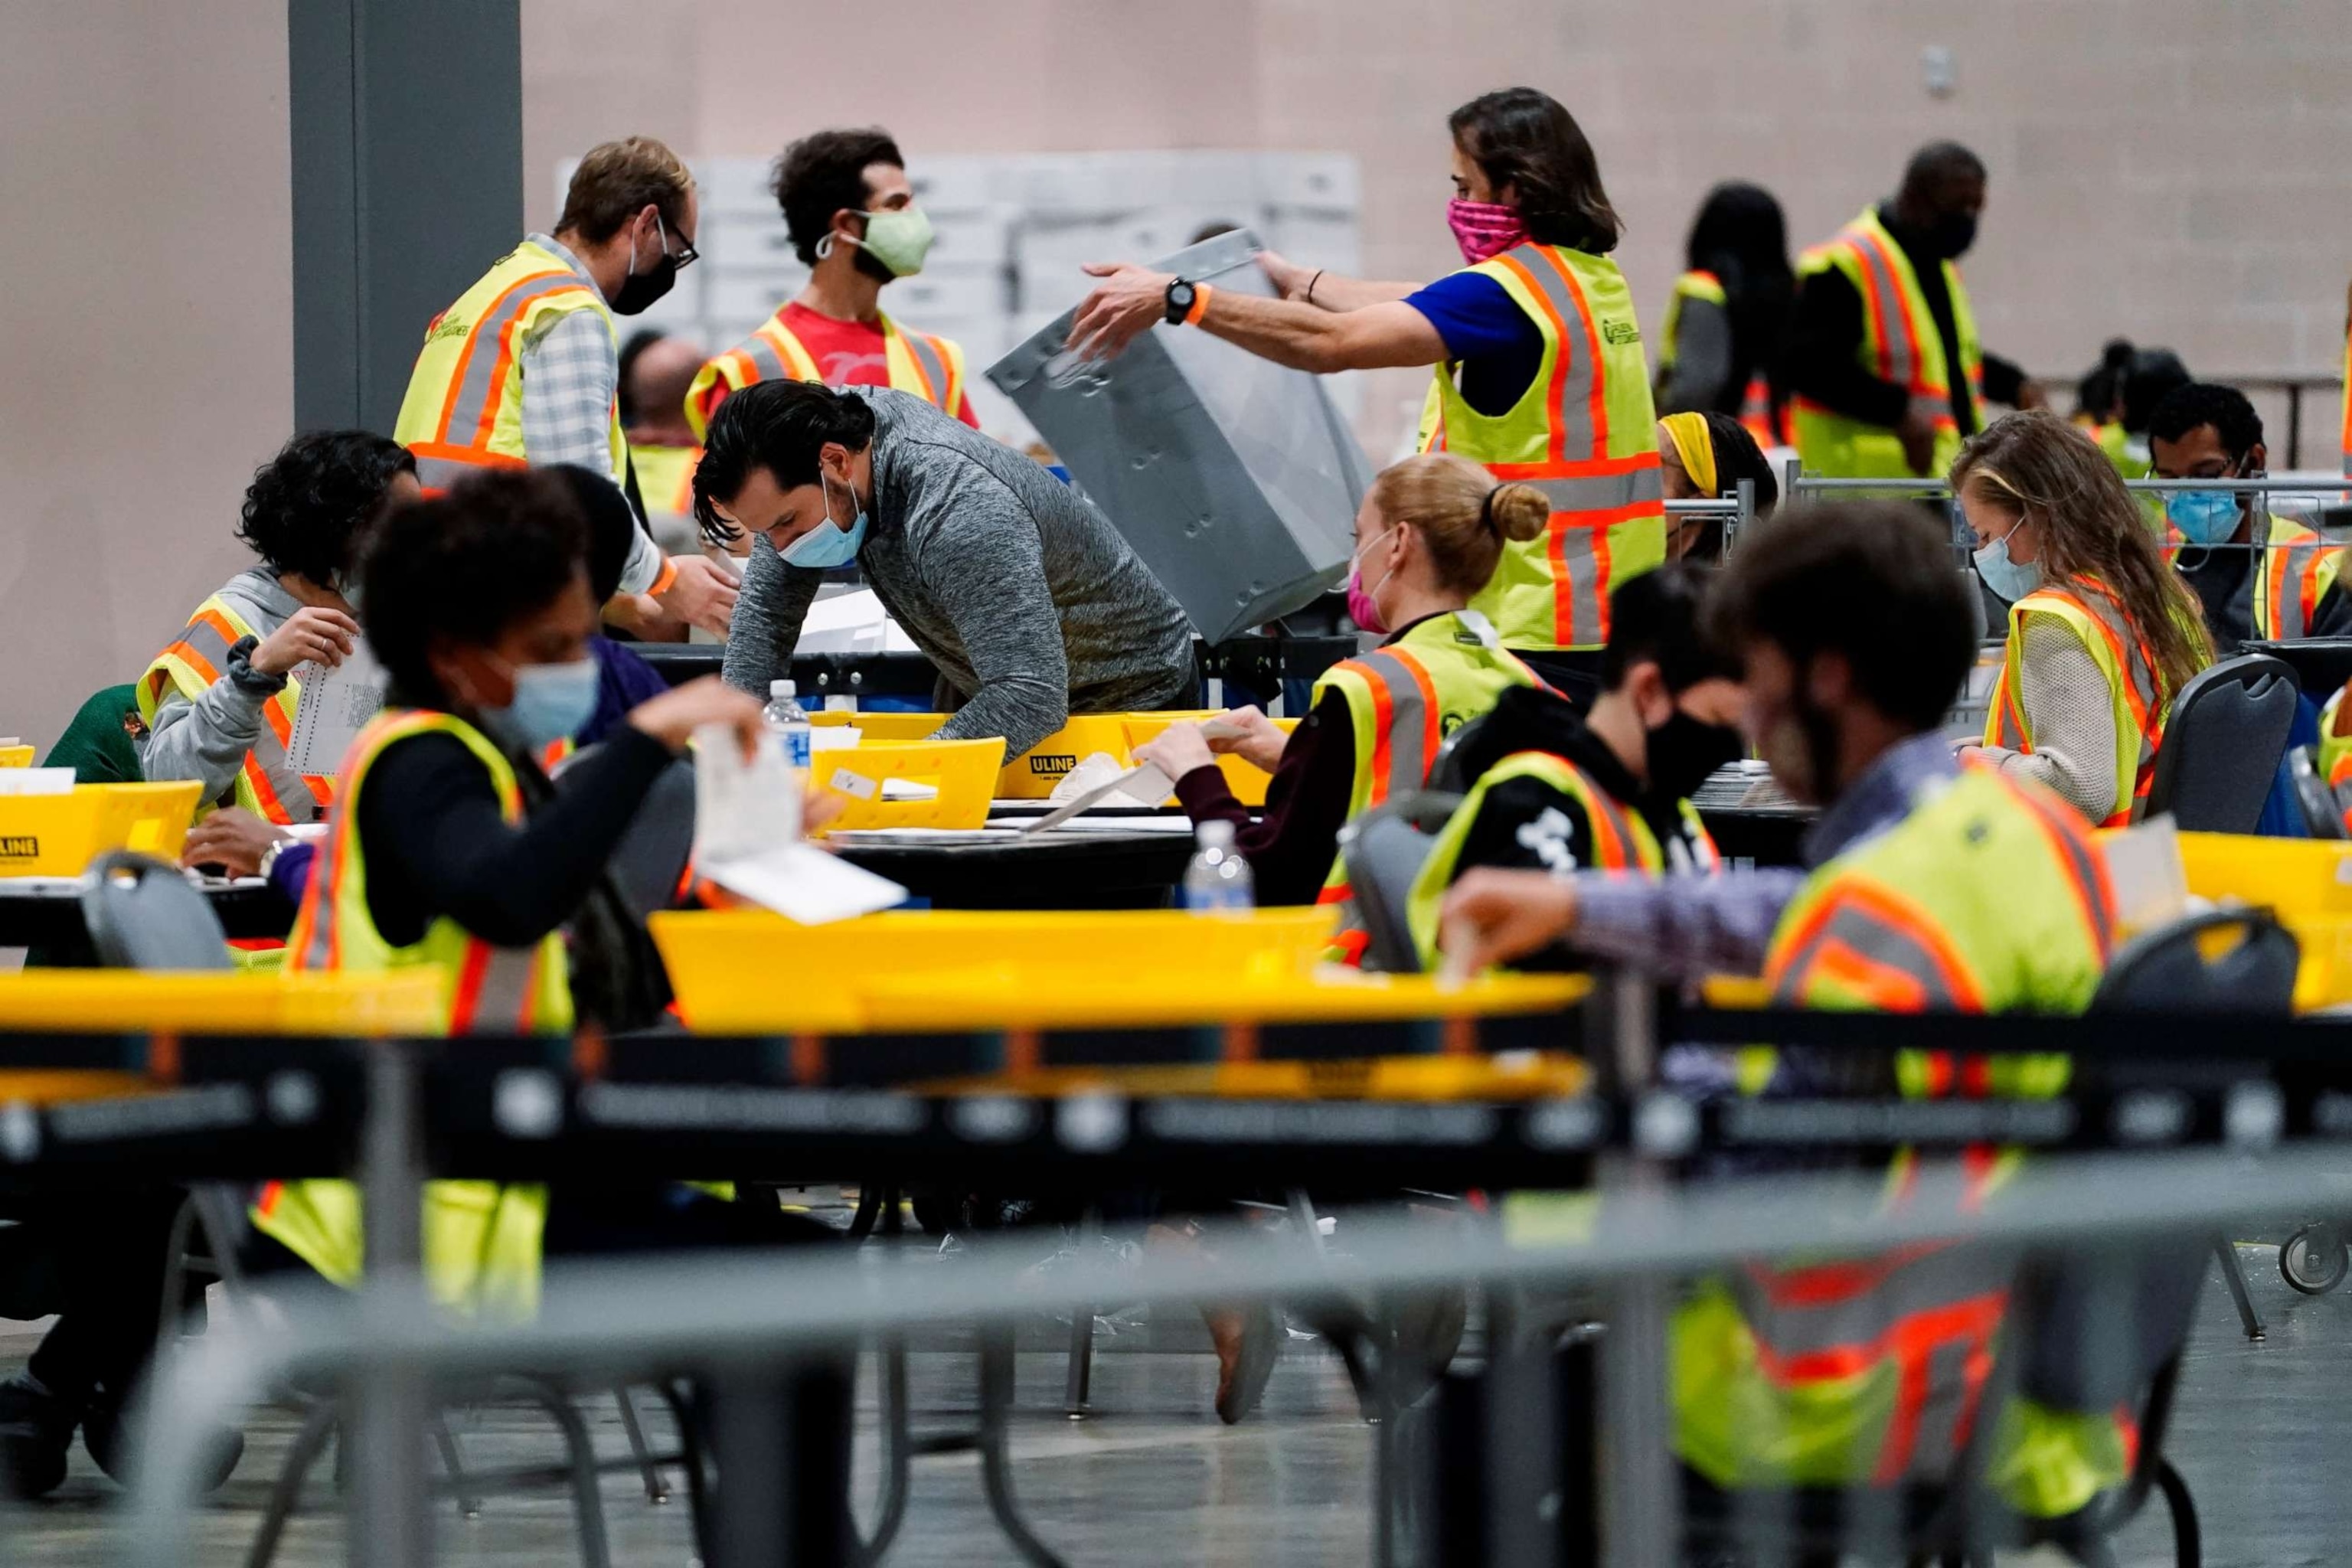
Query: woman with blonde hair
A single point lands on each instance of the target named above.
(2101, 634)
(1428, 536)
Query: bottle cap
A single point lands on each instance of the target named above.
(783, 689)
(1218, 835)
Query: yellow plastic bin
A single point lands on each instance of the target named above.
(108, 1001)
(724, 963)
(1246, 780)
(960, 775)
(1030, 777)
(2307, 882)
(60, 835)
(15, 756)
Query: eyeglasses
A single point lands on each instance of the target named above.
(685, 258)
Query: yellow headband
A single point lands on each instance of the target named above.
(1696, 448)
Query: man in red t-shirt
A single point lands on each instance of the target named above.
(853, 218)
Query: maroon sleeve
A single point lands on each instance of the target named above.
(1291, 846)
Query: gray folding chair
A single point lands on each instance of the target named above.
(1446, 774)
(2182, 968)
(144, 914)
(2222, 744)
(650, 859)
(1383, 851)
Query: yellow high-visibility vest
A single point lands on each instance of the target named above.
(930, 368)
(267, 783)
(1899, 344)
(1585, 433)
(481, 1238)
(464, 406)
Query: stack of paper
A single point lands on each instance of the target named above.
(747, 836)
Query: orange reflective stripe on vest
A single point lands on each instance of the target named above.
(277, 792)
(1867, 937)
(469, 410)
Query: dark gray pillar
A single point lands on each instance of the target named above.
(406, 118)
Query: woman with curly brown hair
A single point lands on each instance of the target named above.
(219, 703)
(2102, 635)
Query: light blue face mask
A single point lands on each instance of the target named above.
(828, 544)
(551, 701)
(2011, 579)
(2202, 517)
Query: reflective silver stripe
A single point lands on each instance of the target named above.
(764, 358)
(933, 365)
(440, 473)
(1578, 439)
(486, 365)
(293, 793)
(1602, 492)
(504, 999)
(1883, 1291)
(205, 640)
(1883, 944)
(1408, 756)
(1894, 347)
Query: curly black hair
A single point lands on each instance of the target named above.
(307, 506)
(464, 567)
(779, 426)
(823, 174)
(2225, 408)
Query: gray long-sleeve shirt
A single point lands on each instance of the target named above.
(206, 740)
(1021, 593)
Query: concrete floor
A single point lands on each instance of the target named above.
(2263, 1436)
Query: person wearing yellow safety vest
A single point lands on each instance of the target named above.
(1934, 884)
(1539, 368)
(219, 703)
(1704, 457)
(523, 368)
(656, 370)
(1723, 345)
(1889, 376)
(450, 855)
(2258, 563)
(852, 218)
(1559, 791)
(1428, 535)
(2102, 635)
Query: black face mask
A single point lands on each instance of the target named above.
(1684, 750)
(639, 289)
(1952, 234)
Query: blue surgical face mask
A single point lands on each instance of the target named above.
(2011, 579)
(827, 544)
(2202, 517)
(551, 701)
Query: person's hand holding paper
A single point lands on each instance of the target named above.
(1249, 735)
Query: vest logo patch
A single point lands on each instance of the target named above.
(445, 325)
(21, 847)
(1617, 335)
(1053, 766)
(1550, 838)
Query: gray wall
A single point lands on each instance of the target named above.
(2178, 171)
(146, 338)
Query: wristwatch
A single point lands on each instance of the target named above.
(1180, 298)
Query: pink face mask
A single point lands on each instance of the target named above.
(1361, 607)
(1483, 229)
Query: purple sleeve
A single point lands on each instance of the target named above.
(1684, 927)
(1475, 317)
(290, 874)
(622, 680)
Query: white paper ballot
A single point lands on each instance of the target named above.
(1145, 785)
(2144, 869)
(334, 706)
(747, 836)
(36, 781)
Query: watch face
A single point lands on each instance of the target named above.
(1180, 300)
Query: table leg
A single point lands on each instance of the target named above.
(390, 1524)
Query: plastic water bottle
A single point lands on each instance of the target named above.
(784, 717)
(1218, 880)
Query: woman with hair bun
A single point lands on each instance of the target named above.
(1027, 600)
(1428, 537)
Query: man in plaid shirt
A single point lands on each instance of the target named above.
(524, 368)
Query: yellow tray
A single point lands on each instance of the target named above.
(750, 970)
(60, 835)
(15, 756)
(1245, 779)
(1524, 1076)
(2307, 882)
(1033, 774)
(963, 772)
(1001, 997)
(109, 1001)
